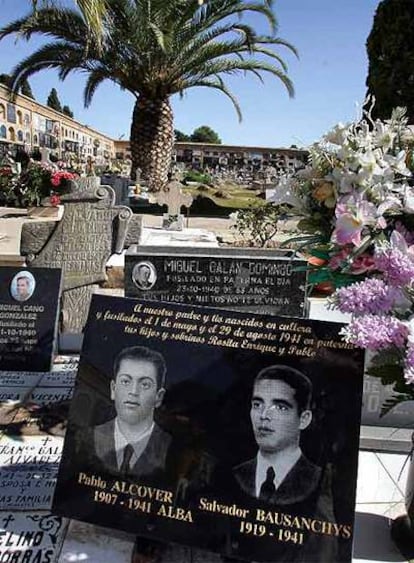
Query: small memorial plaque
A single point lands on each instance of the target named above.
(62, 375)
(30, 537)
(28, 469)
(40, 395)
(29, 301)
(237, 279)
(232, 432)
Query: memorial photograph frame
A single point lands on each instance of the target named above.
(212, 387)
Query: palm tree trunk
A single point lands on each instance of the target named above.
(152, 140)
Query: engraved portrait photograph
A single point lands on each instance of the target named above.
(144, 275)
(22, 286)
(232, 432)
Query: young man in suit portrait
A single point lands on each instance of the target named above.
(280, 411)
(281, 474)
(132, 444)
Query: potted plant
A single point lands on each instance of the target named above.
(37, 184)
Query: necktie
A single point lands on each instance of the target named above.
(268, 486)
(126, 460)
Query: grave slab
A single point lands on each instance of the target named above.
(259, 281)
(63, 375)
(28, 470)
(39, 395)
(32, 537)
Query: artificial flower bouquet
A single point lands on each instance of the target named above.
(355, 201)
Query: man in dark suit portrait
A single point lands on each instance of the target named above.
(280, 474)
(280, 411)
(144, 275)
(132, 443)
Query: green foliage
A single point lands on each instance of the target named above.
(34, 183)
(67, 111)
(5, 79)
(195, 176)
(53, 100)
(26, 90)
(390, 48)
(257, 225)
(181, 137)
(25, 87)
(204, 134)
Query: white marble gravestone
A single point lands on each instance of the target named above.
(32, 537)
(28, 470)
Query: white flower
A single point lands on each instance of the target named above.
(383, 135)
(285, 192)
(337, 135)
(398, 163)
(408, 201)
(345, 179)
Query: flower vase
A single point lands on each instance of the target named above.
(402, 528)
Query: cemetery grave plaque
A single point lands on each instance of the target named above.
(29, 300)
(62, 375)
(38, 395)
(260, 281)
(28, 470)
(30, 537)
(241, 393)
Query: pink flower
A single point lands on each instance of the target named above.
(376, 332)
(348, 229)
(54, 200)
(353, 214)
(337, 261)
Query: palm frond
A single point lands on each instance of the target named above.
(52, 55)
(217, 84)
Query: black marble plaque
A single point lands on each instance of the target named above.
(261, 281)
(29, 301)
(182, 455)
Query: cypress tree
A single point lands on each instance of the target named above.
(390, 48)
(67, 111)
(53, 100)
(26, 89)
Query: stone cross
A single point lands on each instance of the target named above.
(173, 197)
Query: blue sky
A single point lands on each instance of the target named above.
(329, 80)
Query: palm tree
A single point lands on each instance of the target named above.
(92, 10)
(155, 49)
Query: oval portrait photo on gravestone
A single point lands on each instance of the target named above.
(22, 286)
(144, 275)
